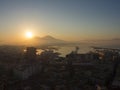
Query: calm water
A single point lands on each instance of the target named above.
(69, 48)
(83, 48)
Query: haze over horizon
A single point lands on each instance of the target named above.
(70, 20)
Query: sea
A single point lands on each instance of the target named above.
(83, 48)
(67, 49)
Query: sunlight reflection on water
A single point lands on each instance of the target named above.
(64, 50)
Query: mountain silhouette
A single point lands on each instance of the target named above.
(51, 39)
(46, 40)
(48, 37)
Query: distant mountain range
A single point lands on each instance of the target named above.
(46, 40)
(50, 40)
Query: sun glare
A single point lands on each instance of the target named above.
(29, 34)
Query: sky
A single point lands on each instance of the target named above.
(64, 19)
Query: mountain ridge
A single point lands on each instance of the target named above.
(46, 40)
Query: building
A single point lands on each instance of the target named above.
(27, 70)
(31, 53)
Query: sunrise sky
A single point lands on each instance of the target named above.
(64, 19)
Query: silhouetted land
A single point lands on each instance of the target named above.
(22, 69)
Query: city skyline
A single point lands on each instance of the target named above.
(68, 20)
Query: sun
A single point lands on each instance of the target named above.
(29, 34)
